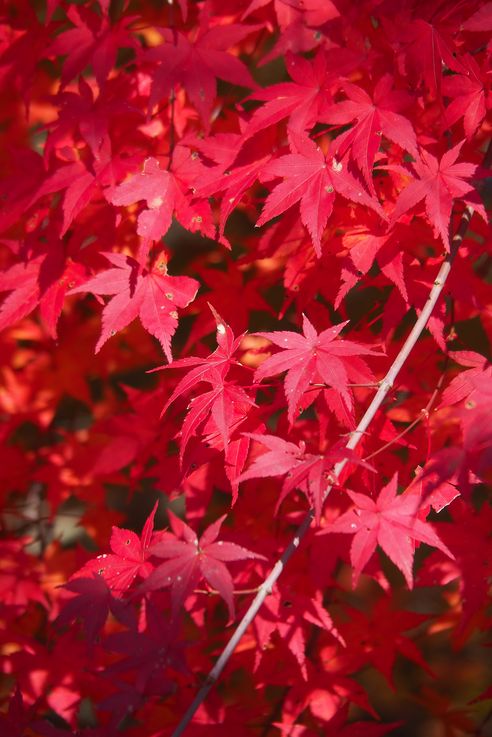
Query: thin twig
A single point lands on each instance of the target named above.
(236, 592)
(386, 384)
(172, 93)
(424, 413)
(371, 385)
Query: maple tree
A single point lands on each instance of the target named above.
(246, 379)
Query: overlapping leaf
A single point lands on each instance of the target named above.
(439, 183)
(153, 296)
(197, 63)
(189, 559)
(393, 522)
(128, 561)
(313, 358)
(372, 118)
(313, 179)
(311, 473)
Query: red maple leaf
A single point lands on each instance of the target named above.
(18, 717)
(340, 726)
(92, 604)
(439, 183)
(148, 651)
(191, 559)
(288, 612)
(209, 368)
(309, 472)
(471, 566)
(226, 285)
(469, 96)
(462, 463)
(158, 188)
(248, 158)
(225, 405)
(196, 64)
(42, 281)
(391, 522)
(287, 11)
(463, 385)
(314, 358)
(128, 560)
(481, 20)
(91, 116)
(304, 100)
(373, 117)
(313, 179)
(164, 192)
(150, 295)
(429, 47)
(82, 184)
(380, 638)
(92, 40)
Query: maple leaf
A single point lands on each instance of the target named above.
(471, 566)
(137, 292)
(428, 49)
(226, 285)
(313, 358)
(43, 282)
(149, 650)
(226, 404)
(463, 385)
(20, 54)
(312, 179)
(469, 99)
(419, 280)
(304, 100)
(391, 522)
(439, 183)
(288, 612)
(73, 177)
(18, 717)
(217, 364)
(324, 692)
(19, 579)
(82, 184)
(158, 188)
(373, 117)
(92, 40)
(462, 464)
(248, 159)
(339, 726)
(379, 634)
(196, 64)
(190, 559)
(129, 437)
(311, 11)
(92, 604)
(368, 242)
(129, 559)
(309, 472)
(91, 116)
(165, 192)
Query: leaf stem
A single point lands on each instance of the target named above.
(424, 413)
(172, 93)
(236, 592)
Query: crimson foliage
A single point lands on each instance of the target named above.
(260, 195)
